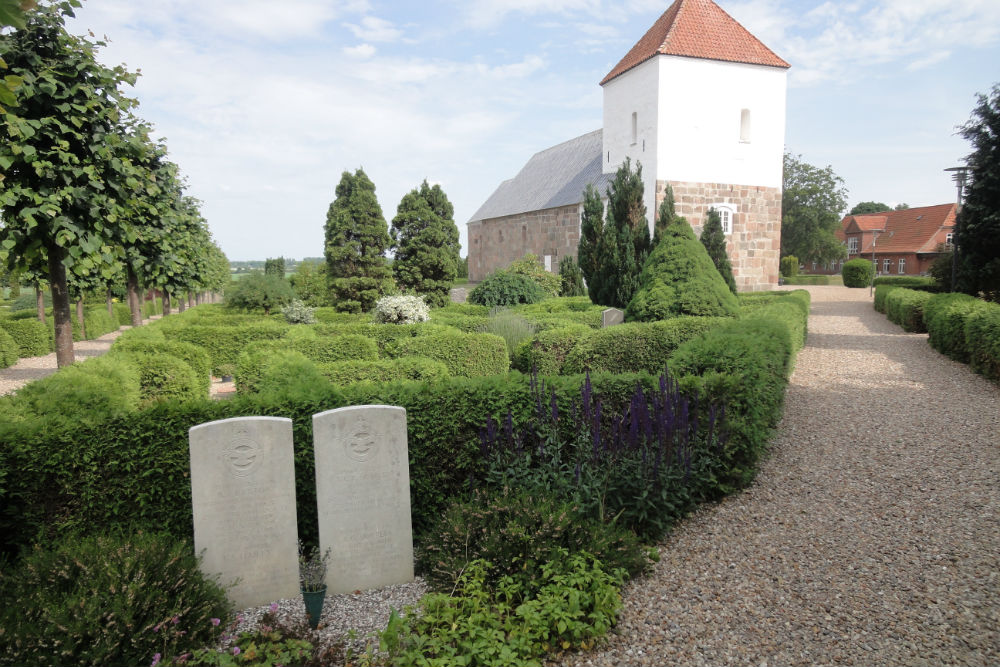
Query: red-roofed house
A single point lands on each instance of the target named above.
(905, 242)
(699, 102)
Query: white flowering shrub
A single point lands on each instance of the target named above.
(299, 313)
(401, 310)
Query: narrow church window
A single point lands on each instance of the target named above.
(635, 127)
(726, 213)
(745, 126)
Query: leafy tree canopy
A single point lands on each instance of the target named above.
(425, 240)
(865, 207)
(812, 202)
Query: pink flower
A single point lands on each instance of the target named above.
(274, 607)
(176, 620)
(156, 660)
(156, 628)
(215, 621)
(236, 650)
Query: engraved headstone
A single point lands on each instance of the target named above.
(611, 317)
(363, 496)
(243, 498)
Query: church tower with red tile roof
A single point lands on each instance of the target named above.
(700, 103)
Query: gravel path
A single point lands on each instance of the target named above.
(871, 535)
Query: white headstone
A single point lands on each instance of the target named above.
(363, 496)
(611, 317)
(243, 498)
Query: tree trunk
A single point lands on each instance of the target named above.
(166, 303)
(181, 305)
(40, 302)
(60, 307)
(134, 305)
(197, 299)
(79, 318)
(111, 309)
(190, 299)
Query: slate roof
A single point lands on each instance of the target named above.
(554, 177)
(918, 230)
(697, 29)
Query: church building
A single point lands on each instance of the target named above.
(699, 102)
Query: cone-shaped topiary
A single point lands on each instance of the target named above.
(679, 278)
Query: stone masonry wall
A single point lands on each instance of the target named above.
(755, 243)
(495, 243)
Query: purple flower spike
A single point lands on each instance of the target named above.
(156, 660)
(236, 650)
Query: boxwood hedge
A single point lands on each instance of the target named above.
(467, 355)
(905, 307)
(31, 336)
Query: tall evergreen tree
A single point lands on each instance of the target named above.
(626, 235)
(979, 222)
(425, 240)
(590, 249)
(356, 240)
(665, 216)
(274, 266)
(714, 240)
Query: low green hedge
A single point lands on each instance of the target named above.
(905, 307)
(344, 373)
(8, 350)
(945, 316)
(33, 338)
(908, 281)
(163, 377)
(547, 350)
(258, 356)
(635, 346)
(466, 355)
(192, 355)
(982, 335)
(812, 280)
(122, 314)
(151, 307)
(857, 272)
(96, 323)
(224, 343)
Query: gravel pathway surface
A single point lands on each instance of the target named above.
(871, 535)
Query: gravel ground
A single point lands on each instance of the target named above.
(871, 535)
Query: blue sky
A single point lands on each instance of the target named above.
(264, 104)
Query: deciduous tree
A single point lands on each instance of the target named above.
(812, 201)
(865, 207)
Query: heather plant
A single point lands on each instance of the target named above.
(640, 468)
(269, 644)
(401, 310)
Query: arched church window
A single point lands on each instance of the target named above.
(727, 213)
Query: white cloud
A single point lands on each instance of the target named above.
(373, 29)
(360, 51)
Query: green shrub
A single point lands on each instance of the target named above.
(84, 393)
(519, 532)
(96, 323)
(400, 310)
(577, 603)
(163, 377)
(510, 326)
(343, 373)
(503, 288)
(813, 280)
(192, 355)
(547, 351)
(259, 291)
(122, 314)
(635, 346)
(881, 293)
(330, 315)
(907, 281)
(151, 307)
(857, 272)
(224, 343)
(571, 278)
(532, 267)
(9, 350)
(982, 335)
(297, 312)
(327, 349)
(282, 371)
(789, 266)
(146, 333)
(905, 307)
(33, 338)
(468, 355)
(107, 600)
(945, 316)
(29, 302)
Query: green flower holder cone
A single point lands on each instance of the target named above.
(314, 605)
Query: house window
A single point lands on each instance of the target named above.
(548, 263)
(949, 238)
(745, 126)
(635, 127)
(885, 265)
(727, 213)
(852, 245)
(902, 265)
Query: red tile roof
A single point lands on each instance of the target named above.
(910, 230)
(697, 29)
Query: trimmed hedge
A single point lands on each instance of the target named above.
(634, 347)
(945, 316)
(345, 373)
(905, 307)
(812, 280)
(467, 355)
(258, 356)
(547, 351)
(224, 343)
(122, 314)
(857, 272)
(908, 281)
(163, 377)
(192, 355)
(8, 350)
(32, 338)
(982, 335)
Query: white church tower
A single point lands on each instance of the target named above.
(700, 103)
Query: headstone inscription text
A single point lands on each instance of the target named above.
(363, 496)
(243, 502)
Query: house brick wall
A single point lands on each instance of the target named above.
(495, 243)
(755, 244)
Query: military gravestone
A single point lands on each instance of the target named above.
(363, 496)
(243, 498)
(611, 317)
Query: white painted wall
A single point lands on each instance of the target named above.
(699, 108)
(633, 92)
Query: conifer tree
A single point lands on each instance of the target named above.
(425, 240)
(590, 249)
(665, 217)
(356, 240)
(627, 241)
(714, 240)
